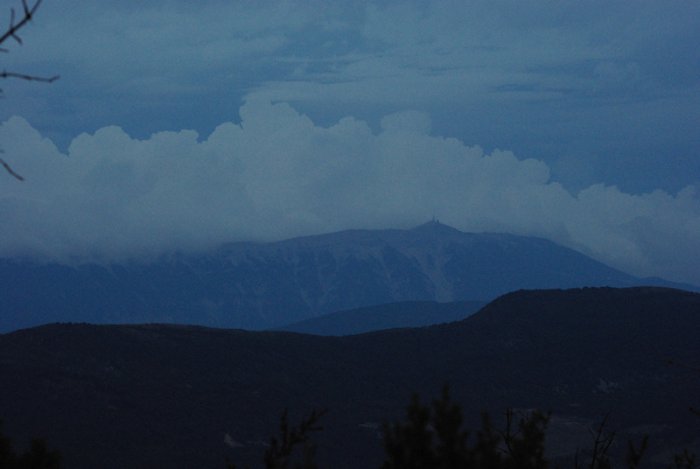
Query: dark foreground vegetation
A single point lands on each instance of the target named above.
(433, 436)
(145, 396)
(430, 436)
(37, 456)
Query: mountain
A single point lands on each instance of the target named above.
(386, 316)
(173, 396)
(264, 285)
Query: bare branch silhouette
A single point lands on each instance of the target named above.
(23, 76)
(9, 169)
(12, 32)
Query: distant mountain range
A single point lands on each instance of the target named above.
(173, 396)
(264, 285)
(386, 316)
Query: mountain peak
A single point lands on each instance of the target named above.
(435, 227)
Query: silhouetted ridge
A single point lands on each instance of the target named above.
(161, 396)
(590, 305)
(386, 316)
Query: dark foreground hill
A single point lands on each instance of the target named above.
(265, 285)
(386, 316)
(180, 397)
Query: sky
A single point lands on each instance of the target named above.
(180, 125)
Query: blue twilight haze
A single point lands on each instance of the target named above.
(181, 125)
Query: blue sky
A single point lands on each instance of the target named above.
(182, 125)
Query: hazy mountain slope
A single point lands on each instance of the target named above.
(167, 396)
(386, 316)
(259, 286)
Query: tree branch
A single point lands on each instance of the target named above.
(9, 169)
(23, 76)
(11, 31)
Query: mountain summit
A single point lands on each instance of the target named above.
(435, 228)
(263, 285)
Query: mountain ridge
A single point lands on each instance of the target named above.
(264, 285)
(401, 314)
(167, 395)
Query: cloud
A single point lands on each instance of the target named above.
(278, 174)
(409, 51)
(615, 81)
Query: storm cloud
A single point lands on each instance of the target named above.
(276, 174)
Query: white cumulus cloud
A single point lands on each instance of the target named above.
(278, 174)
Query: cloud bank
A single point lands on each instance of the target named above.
(607, 85)
(278, 174)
